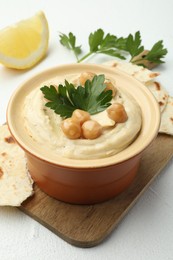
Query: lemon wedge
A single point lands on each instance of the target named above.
(25, 43)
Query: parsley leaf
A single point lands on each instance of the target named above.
(133, 44)
(156, 53)
(91, 98)
(70, 43)
(108, 41)
(95, 39)
(111, 45)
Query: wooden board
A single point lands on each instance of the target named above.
(87, 226)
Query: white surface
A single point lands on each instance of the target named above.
(146, 232)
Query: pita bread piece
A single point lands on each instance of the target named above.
(15, 181)
(166, 125)
(142, 74)
(159, 92)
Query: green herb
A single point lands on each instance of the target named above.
(91, 98)
(156, 53)
(133, 44)
(95, 39)
(117, 47)
(70, 43)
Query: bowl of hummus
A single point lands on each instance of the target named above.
(83, 128)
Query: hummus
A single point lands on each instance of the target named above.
(44, 127)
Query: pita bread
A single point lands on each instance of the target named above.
(147, 78)
(15, 181)
(159, 92)
(142, 74)
(166, 125)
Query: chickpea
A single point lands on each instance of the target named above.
(71, 128)
(85, 76)
(91, 129)
(117, 113)
(80, 116)
(110, 86)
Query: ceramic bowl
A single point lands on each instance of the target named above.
(84, 181)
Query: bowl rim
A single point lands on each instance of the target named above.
(83, 163)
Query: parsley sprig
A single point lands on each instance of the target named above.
(91, 98)
(121, 47)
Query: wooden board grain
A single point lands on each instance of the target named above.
(87, 226)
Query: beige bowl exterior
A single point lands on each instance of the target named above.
(84, 181)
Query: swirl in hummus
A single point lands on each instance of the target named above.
(44, 127)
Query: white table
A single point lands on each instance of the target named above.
(147, 230)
